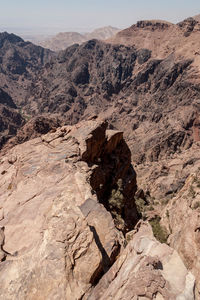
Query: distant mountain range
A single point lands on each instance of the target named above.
(63, 40)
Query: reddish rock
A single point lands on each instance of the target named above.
(146, 269)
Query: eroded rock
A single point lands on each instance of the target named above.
(146, 270)
(182, 216)
(53, 234)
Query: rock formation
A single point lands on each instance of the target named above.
(181, 217)
(19, 62)
(10, 118)
(53, 206)
(146, 269)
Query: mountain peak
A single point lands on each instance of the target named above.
(159, 24)
(11, 37)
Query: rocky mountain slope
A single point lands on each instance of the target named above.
(63, 40)
(56, 192)
(163, 38)
(181, 216)
(10, 118)
(20, 61)
(157, 99)
(152, 94)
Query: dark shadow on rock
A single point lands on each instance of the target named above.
(106, 262)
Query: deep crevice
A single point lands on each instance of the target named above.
(114, 182)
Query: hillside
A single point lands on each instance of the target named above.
(65, 39)
(20, 61)
(163, 38)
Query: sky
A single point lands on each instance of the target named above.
(51, 16)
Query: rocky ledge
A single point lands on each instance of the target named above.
(66, 205)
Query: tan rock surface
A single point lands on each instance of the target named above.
(53, 244)
(163, 38)
(164, 178)
(182, 216)
(146, 270)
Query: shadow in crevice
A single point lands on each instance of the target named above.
(106, 262)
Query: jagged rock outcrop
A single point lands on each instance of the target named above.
(53, 243)
(146, 269)
(58, 237)
(98, 78)
(33, 128)
(10, 118)
(154, 92)
(19, 62)
(181, 217)
(112, 81)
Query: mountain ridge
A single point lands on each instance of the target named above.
(65, 39)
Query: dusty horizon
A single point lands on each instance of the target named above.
(49, 17)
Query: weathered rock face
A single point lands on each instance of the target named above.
(155, 98)
(33, 128)
(53, 244)
(10, 118)
(145, 270)
(19, 61)
(80, 77)
(181, 217)
(151, 96)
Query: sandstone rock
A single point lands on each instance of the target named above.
(181, 216)
(146, 270)
(58, 240)
(33, 128)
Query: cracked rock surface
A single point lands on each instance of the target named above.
(54, 244)
(60, 237)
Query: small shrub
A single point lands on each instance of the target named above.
(197, 181)
(150, 208)
(196, 205)
(10, 186)
(191, 192)
(116, 199)
(140, 204)
(159, 231)
(165, 201)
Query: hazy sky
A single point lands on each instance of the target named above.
(83, 15)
